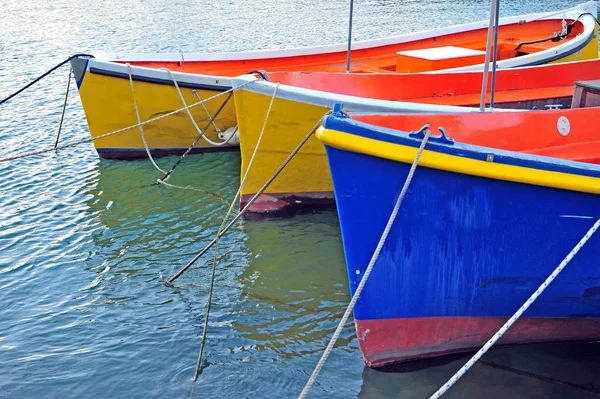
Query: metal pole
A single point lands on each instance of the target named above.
(350, 36)
(488, 49)
(496, 27)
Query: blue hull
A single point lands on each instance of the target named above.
(464, 247)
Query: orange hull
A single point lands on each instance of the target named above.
(515, 88)
(384, 58)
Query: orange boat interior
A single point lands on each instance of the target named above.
(521, 88)
(513, 41)
(566, 134)
(515, 88)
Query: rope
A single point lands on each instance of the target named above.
(516, 316)
(197, 96)
(91, 139)
(566, 30)
(170, 280)
(167, 174)
(195, 189)
(62, 117)
(137, 113)
(200, 132)
(214, 263)
(256, 146)
(364, 278)
(43, 76)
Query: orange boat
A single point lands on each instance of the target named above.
(297, 106)
(519, 88)
(111, 87)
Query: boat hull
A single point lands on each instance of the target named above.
(388, 341)
(468, 247)
(295, 112)
(108, 104)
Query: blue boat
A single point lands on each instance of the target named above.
(478, 231)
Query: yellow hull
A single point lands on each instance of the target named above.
(307, 175)
(109, 106)
(306, 179)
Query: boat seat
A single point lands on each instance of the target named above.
(437, 58)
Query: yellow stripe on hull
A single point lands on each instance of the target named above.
(287, 124)
(457, 164)
(108, 105)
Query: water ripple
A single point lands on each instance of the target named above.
(85, 244)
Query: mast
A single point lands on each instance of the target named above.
(496, 28)
(349, 36)
(488, 49)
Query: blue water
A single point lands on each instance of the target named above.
(85, 244)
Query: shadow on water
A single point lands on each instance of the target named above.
(557, 370)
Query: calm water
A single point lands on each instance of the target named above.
(84, 246)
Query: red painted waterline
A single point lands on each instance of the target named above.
(389, 341)
(276, 202)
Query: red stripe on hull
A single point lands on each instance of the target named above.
(389, 341)
(270, 203)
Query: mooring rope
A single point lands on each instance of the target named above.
(518, 314)
(216, 252)
(170, 280)
(260, 137)
(91, 139)
(201, 133)
(62, 117)
(137, 113)
(48, 72)
(198, 98)
(189, 149)
(365, 276)
(199, 190)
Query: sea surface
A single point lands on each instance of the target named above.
(85, 243)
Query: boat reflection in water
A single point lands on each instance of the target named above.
(541, 370)
(294, 288)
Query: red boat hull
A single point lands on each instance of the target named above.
(387, 341)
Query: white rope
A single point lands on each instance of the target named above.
(239, 190)
(247, 172)
(200, 132)
(218, 236)
(364, 278)
(175, 276)
(199, 190)
(258, 142)
(137, 112)
(91, 139)
(516, 316)
(195, 94)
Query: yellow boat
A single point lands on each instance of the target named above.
(111, 87)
